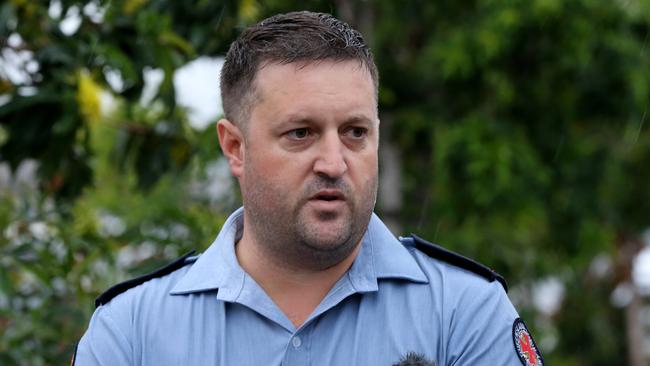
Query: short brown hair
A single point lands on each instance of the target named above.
(285, 38)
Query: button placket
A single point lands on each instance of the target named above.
(297, 351)
(296, 342)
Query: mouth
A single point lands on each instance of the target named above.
(328, 195)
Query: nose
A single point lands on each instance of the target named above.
(330, 161)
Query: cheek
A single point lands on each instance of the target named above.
(273, 166)
(275, 169)
(366, 166)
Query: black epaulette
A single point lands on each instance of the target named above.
(440, 253)
(109, 294)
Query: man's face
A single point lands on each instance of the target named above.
(309, 179)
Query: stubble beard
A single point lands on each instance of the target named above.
(289, 234)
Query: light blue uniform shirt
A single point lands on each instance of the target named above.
(393, 300)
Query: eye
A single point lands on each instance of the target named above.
(298, 133)
(357, 132)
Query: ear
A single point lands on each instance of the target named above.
(231, 140)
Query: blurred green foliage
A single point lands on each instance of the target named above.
(116, 192)
(522, 126)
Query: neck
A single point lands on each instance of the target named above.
(296, 290)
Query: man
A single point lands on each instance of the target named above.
(305, 273)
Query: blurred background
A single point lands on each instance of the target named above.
(515, 132)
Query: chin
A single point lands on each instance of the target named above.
(326, 230)
(328, 238)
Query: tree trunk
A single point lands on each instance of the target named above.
(634, 325)
(629, 247)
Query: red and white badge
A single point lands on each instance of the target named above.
(525, 345)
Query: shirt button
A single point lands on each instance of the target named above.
(296, 342)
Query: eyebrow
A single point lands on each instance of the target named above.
(299, 119)
(359, 119)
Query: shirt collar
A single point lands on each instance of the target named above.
(217, 267)
(381, 256)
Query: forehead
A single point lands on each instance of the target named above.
(319, 66)
(311, 70)
(315, 84)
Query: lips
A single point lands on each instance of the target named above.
(328, 195)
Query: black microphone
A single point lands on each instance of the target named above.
(414, 359)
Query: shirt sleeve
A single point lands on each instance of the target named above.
(104, 343)
(481, 326)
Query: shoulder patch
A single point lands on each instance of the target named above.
(109, 294)
(525, 346)
(440, 253)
